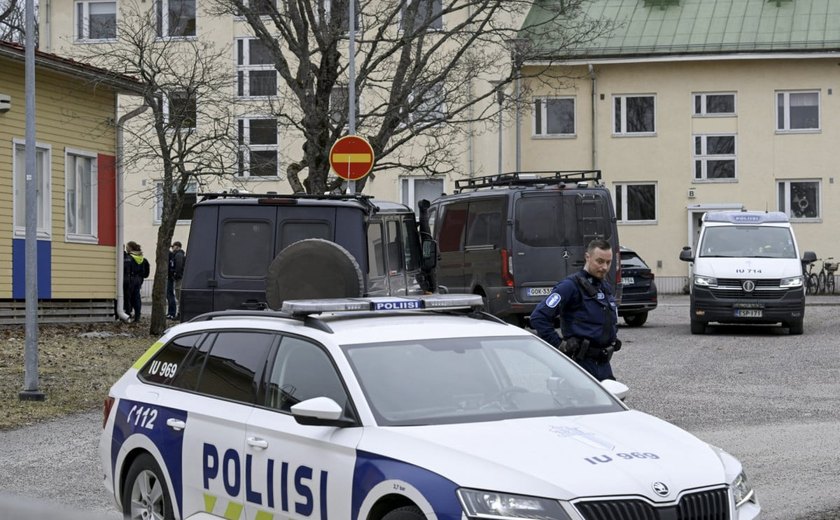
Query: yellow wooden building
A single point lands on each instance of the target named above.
(78, 249)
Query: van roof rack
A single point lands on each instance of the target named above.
(529, 178)
(274, 197)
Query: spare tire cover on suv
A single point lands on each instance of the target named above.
(313, 268)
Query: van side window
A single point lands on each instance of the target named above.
(376, 255)
(453, 223)
(394, 247)
(550, 221)
(235, 365)
(485, 223)
(411, 243)
(301, 371)
(292, 231)
(245, 248)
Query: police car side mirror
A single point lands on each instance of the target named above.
(686, 255)
(620, 390)
(319, 411)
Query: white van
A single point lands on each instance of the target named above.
(747, 269)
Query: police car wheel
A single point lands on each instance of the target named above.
(405, 513)
(145, 495)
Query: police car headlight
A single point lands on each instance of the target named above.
(489, 504)
(742, 490)
(705, 281)
(789, 283)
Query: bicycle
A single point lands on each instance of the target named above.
(811, 279)
(825, 280)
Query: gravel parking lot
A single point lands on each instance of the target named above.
(771, 399)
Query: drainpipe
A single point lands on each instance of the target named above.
(118, 253)
(593, 115)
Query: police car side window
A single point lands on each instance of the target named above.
(235, 365)
(301, 371)
(169, 361)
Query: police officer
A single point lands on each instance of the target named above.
(588, 314)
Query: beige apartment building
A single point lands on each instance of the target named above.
(686, 106)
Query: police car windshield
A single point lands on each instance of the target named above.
(459, 380)
(747, 241)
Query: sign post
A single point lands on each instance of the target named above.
(351, 157)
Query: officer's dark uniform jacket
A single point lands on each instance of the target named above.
(587, 311)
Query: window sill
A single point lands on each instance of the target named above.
(817, 220)
(638, 222)
(81, 239)
(540, 137)
(799, 131)
(714, 116)
(636, 134)
(260, 179)
(715, 181)
(88, 41)
(176, 38)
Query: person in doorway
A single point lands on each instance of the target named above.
(136, 270)
(588, 314)
(173, 281)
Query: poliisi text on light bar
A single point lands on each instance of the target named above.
(385, 303)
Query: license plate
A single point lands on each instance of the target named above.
(628, 280)
(539, 291)
(748, 313)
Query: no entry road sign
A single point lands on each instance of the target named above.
(351, 157)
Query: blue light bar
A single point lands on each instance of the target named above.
(384, 304)
(746, 217)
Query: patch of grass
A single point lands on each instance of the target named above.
(77, 364)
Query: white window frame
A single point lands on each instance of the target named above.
(358, 18)
(85, 21)
(787, 198)
(542, 133)
(786, 129)
(70, 156)
(623, 130)
(192, 187)
(621, 212)
(166, 115)
(247, 3)
(439, 91)
(704, 96)
(44, 197)
(407, 190)
(431, 27)
(246, 68)
(245, 146)
(162, 6)
(704, 157)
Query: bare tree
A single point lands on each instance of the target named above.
(186, 138)
(416, 66)
(13, 21)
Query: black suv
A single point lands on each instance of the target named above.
(638, 295)
(252, 251)
(512, 237)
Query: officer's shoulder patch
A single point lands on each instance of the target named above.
(552, 300)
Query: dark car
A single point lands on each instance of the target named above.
(639, 290)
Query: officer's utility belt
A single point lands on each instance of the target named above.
(580, 349)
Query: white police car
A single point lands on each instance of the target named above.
(393, 412)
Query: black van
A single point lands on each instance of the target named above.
(512, 237)
(252, 251)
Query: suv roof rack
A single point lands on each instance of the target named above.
(529, 178)
(274, 197)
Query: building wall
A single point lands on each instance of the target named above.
(71, 113)
(763, 155)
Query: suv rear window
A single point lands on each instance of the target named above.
(632, 260)
(561, 220)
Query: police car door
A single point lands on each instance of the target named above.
(214, 439)
(293, 470)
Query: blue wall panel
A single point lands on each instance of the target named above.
(19, 269)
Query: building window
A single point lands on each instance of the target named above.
(256, 75)
(181, 111)
(714, 104)
(339, 105)
(427, 14)
(42, 189)
(634, 115)
(554, 116)
(96, 20)
(190, 198)
(797, 111)
(415, 189)
(258, 150)
(800, 199)
(635, 202)
(342, 7)
(261, 7)
(81, 195)
(175, 18)
(714, 157)
(431, 109)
